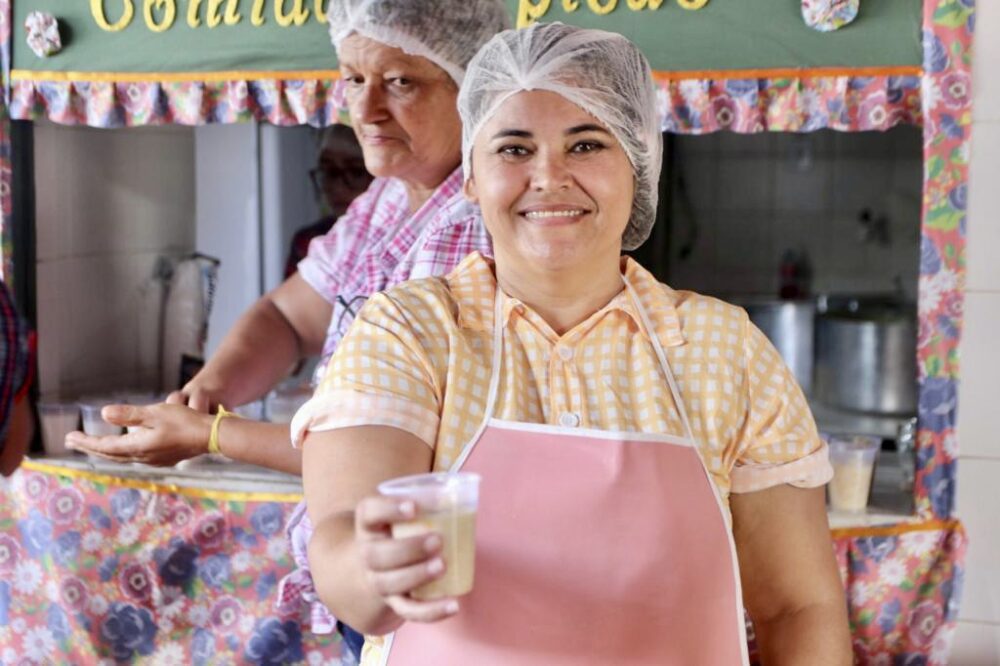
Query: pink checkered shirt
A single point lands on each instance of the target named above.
(377, 244)
(373, 246)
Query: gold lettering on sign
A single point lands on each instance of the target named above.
(257, 13)
(97, 11)
(232, 12)
(160, 15)
(194, 8)
(601, 10)
(298, 15)
(169, 9)
(528, 11)
(320, 12)
(213, 17)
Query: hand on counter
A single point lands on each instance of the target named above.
(199, 395)
(161, 434)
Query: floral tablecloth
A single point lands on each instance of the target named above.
(101, 570)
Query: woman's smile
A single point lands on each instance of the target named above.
(553, 215)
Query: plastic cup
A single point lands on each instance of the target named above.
(252, 410)
(446, 504)
(853, 463)
(58, 420)
(93, 424)
(282, 403)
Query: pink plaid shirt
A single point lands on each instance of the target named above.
(373, 246)
(377, 244)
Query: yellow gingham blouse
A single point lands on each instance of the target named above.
(418, 357)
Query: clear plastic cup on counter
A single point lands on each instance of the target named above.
(58, 419)
(283, 402)
(853, 460)
(447, 504)
(93, 424)
(252, 410)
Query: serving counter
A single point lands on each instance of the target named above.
(103, 562)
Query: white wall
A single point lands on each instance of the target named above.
(108, 204)
(228, 219)
(253, 193)
(978, 638)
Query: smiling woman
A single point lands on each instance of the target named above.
(648, 463)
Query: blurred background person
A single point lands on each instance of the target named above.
(338, 178)
(17, 424)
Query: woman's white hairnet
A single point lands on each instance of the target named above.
(446, 32)
(601, 72)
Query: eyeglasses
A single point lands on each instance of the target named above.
(354, 177)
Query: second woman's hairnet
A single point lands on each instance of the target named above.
(446, 32)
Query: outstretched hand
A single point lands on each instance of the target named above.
(394, 566)
(161, 434)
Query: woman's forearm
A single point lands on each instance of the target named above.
(341, 581)
(814, 635)
(264, 444)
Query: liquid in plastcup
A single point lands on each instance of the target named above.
(853, 461)
(446, 504)
(58, 419)
(93, 423)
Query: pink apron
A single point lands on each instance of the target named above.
(592, 547)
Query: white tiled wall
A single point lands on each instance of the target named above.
(978, 637)
(108, 204)
(750, 198)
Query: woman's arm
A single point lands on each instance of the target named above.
(283, 326)
(361, 573)
(791, 585)
(167, 434)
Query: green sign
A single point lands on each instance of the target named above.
(200, 36)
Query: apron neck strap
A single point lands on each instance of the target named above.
(661, 355)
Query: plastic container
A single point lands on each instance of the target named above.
(446, 504)
(58, 419)
(93, 424)
(853, 461)
(252, 410)
(283, 402)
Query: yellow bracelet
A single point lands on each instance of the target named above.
(213, 436)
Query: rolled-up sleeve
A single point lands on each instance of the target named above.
(333, 255)
(778, 442)
(379, 375)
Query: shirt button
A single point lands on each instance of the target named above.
(565, 353)
(569, 420)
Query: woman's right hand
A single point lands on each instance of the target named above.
(396, 567)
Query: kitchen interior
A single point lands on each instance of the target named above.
(816, 234)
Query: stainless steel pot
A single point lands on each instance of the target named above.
(866, 358)
(789, 327)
